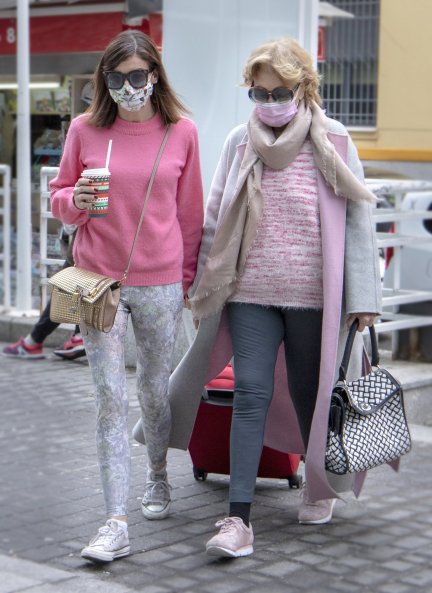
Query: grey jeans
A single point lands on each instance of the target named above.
(257, 333)
(156, 313)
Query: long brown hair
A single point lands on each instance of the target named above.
(103, 109)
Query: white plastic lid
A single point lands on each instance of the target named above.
(101, 171)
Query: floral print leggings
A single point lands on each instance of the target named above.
(156, 313)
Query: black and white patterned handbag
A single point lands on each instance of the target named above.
(367, 422)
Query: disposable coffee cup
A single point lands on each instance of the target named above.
(99, 178)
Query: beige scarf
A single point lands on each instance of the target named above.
(237, 230)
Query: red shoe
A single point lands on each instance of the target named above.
(22, 350)
(73, 348)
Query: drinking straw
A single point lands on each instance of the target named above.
(108, 154)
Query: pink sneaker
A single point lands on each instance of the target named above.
(233, 540)
(315, 513)
(72, 348)
(22, 350)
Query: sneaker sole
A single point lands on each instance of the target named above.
(326, 519)
(70, 354)
(155, 516)
(226, 553)
(99, 556)
(25, 357)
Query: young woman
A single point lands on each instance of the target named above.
(133, 104)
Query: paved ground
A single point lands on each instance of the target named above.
(51, 504)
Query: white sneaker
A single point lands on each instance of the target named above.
(156, 499)
(111, 542)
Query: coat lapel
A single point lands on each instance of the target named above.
(333, 217)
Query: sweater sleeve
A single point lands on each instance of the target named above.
(190, 209)
(362, 275)
(62, 204)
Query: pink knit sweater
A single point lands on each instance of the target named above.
(170, 236)
(284, 263)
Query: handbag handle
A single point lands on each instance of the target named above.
(348, 347)
(152, 176)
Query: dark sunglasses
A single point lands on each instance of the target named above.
(115, 80)
(281, 94)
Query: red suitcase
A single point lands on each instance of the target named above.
(209, 444)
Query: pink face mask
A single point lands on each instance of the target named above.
(276, 115)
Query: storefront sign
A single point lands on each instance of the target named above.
(63, 34)
(321, 44)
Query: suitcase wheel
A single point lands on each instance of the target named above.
(295, 481)
(199, 474)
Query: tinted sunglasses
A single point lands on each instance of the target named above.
(136, 78)
(281, 94)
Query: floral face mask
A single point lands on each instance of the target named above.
(132, 99)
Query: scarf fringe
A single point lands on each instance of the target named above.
(207, 293)
(209, 302)
(334, 170)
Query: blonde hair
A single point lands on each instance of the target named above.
(292, 63)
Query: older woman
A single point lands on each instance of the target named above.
(289, 250)
(288, 258)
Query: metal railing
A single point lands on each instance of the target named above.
(396, 295)
(46, 173)
(5, 213)
(391, 320)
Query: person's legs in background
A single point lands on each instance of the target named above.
(31, 346)
(257, 333)
(73, 347)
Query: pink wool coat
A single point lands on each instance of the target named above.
(351, 284)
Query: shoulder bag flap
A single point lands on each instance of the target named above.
(89, 285)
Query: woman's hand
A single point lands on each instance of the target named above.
(83, 194)
(365, 320)
(188, 306)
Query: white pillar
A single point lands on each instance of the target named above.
(23, 172)
(225, 32)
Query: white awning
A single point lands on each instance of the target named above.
(327, 12)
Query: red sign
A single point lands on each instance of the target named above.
(321, 44)
(7, 36)
(63, 34)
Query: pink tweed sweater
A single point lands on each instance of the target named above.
(284, 264)
(170, 236)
